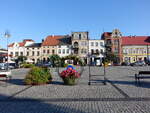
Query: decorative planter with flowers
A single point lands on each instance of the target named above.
(69, 76)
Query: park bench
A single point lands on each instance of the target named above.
(6, 75)
(142, 75)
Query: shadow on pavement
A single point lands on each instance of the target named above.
(16, 81)
(144, 84)
(26, 105)
(57, 83)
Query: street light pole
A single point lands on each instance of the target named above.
(88, 58)
(7, 35)
(104, 63)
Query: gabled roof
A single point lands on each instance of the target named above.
(135, 40)
(11, 45)
(52, 40)
(21, 44)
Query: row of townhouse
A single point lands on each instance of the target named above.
(127, 48)
(78, 43)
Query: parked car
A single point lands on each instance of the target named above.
(4, 66)
(147, 62)
(138, 63)
(125, 64)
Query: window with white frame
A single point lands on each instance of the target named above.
(63, 51)
(96, 44)
(27, 53)
(32, 53)
(101, 43)
(59, 51)
(21, 53)
(38, 53)
(92, 43)
(68, 51)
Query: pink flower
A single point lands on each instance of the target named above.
(69, 73)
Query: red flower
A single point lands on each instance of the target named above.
(69, 73)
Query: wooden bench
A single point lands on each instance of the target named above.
(142, 75)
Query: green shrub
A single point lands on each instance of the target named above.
(38, 75)
(81, 63)
(27, 65)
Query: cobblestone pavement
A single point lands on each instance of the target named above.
(120, 95)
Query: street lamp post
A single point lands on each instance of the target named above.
(104, 57)
(88, 58)
(7, 35)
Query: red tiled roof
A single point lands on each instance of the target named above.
(136, 40)
(21, 44)
(11, 45)
(51, 40)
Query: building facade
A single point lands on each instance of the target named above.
(33, 52)
(64, 48)
(113, 42)
(18, 49)
(96, 50)
(127, 48)
(60, 45)
(80, 42)
(136, 48)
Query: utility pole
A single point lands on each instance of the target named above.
(104, 63)
(7, 35)
(89, 62)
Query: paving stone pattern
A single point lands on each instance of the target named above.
(120, 95)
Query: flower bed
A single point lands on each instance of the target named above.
(69, 76)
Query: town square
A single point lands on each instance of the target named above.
(120, 94)
(74, 56)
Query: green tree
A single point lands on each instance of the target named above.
(76, 59)
(55, 60)
(110, 57)
(20, 59)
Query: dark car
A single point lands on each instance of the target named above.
(138, 63)
(147, 62)
(125, 64)
(4, 66)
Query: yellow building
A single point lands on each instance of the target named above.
(135, 48)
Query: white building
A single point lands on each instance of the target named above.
(18, 49)
(96, 50)
(33, 53)
(64, 50)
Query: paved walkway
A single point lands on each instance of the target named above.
(120, 95)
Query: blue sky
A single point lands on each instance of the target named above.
(38, 18)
